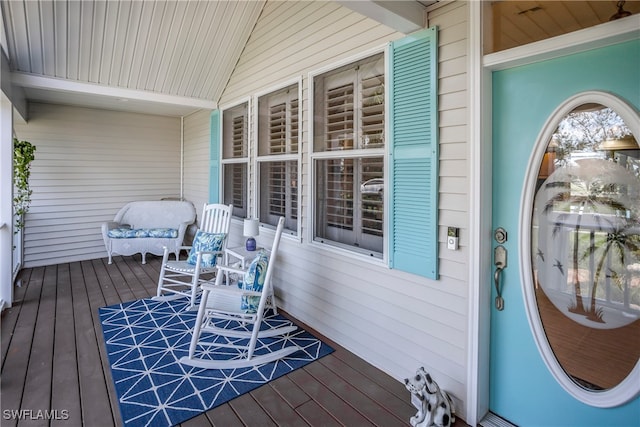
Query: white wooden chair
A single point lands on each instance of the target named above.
(183, 277)
(230, 318)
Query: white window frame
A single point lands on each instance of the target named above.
(297, 157)
(347, 250)
(237, 160)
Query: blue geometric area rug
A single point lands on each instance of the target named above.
(145, 340)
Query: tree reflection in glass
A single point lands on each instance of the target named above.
(586, 246)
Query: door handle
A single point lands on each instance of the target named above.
(500, 261)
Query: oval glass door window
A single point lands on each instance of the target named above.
(585, 245)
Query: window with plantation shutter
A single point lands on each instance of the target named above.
(373, 111)
(238, 137)
(235, 158)
(278, 157)
(339, 110)
(414, 154)
(278, 128)
(348, 156)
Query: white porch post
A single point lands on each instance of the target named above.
(6, 201)
(480, 222)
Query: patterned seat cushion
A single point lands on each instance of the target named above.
(165, 233)
(209, 242)
(254, 281)
(133, 233)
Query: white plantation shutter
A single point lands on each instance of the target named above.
(372, 203)
(372, 122)
(278, 135)
(339, 197)
(235, 158)
(294, 120)
(282, 190)
(238, 184)
(278, 128)
(239, 137)
(340, 117)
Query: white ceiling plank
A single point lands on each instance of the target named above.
(32, 15)
(98, 31)
(120, 39)
(150, 44)
(198, 49)
(86, 39)
(73, 39)
(142, 39)
(17, 37)
(163, 40)
(108, 41)
(210, 56)
(224, 50)
(194, 37)
(174, 27)
(131, 40)
(60, 37)
(48, 42)
(184, 26)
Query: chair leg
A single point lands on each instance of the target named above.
(165, 258)
(197, 328)
(195, 282)
(194, 292)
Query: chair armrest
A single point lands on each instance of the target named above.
(211, 252)
(233, 290)
(110, 225)
(229, 269)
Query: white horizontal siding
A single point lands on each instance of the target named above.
(88, 164)
(394, 320)
(197, 142)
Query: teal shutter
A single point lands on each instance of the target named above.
(214, 158)
(414, 154)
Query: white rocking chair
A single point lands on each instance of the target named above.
(241, 317)
(183, 277)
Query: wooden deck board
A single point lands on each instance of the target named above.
(65, 394)
(94, 392)
(10, 315)
(54, 358)
(15, 365)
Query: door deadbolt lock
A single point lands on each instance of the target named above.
(500, 235)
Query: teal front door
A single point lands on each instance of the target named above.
(523, 389)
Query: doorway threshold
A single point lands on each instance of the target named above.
(493, 420)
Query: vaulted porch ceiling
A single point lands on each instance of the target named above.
(159, 57)
(165, 57)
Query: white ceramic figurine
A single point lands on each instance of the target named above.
(435, 407)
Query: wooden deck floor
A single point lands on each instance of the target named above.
(54, 360)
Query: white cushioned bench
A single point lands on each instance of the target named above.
(147, 227)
